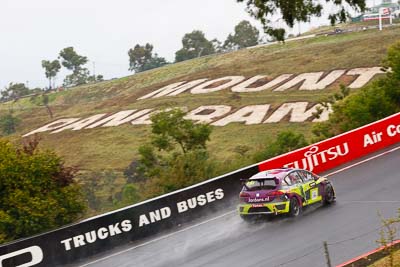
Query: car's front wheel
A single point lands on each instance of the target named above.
(295, 208)
(329, 197)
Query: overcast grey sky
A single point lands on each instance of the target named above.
(33, 30)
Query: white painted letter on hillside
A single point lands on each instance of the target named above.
(53, 125)
(231, 80)
(312, 81)
(366, 74)
(297, 110)
(119, 118)
(243, 87)
(173, 89)
(249, 115)
(79, 125)
(207, 114)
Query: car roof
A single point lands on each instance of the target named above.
(271, 174)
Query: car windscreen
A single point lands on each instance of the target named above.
(261, 184)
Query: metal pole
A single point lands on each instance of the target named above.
(380, 20)
(299, 28)
(328, 259)
(201, 51)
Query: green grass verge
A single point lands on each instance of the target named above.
(385, 262)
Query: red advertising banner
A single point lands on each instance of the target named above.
(340, 149)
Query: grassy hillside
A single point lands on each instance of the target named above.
(114, 148)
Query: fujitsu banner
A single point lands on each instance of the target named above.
(340, 149)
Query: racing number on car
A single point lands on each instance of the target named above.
(314, 193)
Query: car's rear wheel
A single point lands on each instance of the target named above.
(329, 197)
(295, 208)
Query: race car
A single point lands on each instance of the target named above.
(283, 191)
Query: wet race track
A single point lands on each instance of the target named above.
(350, 226)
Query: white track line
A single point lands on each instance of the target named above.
(223, 215)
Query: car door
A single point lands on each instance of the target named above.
(310, 187)
(298, 185)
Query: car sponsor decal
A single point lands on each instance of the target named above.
(314, 193)
(263, 199)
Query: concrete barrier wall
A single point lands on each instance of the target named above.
(101, 233)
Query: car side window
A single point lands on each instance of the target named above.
(286, 181)
(295, 178)
(303, 176)
(309, 176)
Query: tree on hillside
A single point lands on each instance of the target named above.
(171, 129)
(194, 44)
(74, 62)
(51, 68)
(286, 141)
(8, 123)
(278, 35)
(245, 35)
(42, 100)
(79, 78)
(133, 174)
(375, 101)
(171, 133)
(14, 91)
(155, 62)
(130, 194)
(95, 78)
(298, 11)
(218, 47)
(71, 60)
(38, 192)
(175, 157)
(141, 58)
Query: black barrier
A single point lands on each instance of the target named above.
(98, 234)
